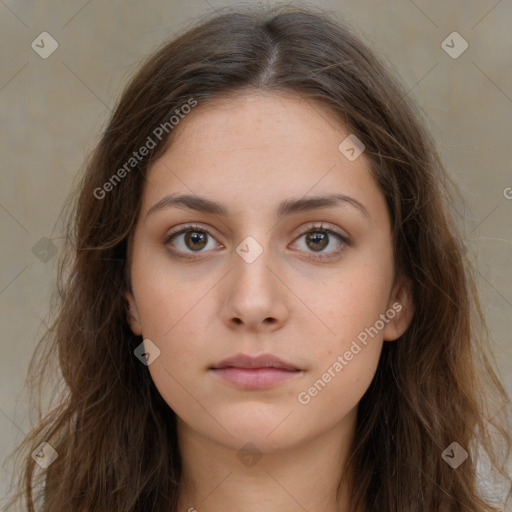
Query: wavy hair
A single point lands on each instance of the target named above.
(437, 384)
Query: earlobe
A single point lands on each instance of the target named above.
(400, 311)
(133, 314)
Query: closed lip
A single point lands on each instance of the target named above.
(261, 361)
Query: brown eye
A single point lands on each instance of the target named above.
(190, 240)
(317, 240)
(195, 240)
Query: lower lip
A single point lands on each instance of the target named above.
(255, 378)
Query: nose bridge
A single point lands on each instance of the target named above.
(253, 259)
(253, 292)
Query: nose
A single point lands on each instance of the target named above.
(254, 294)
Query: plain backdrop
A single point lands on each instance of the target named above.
(53, 110)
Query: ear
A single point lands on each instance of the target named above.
(133, 314)
(400, 309)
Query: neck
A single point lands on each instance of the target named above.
(300, 477)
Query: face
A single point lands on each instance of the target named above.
(265, 272)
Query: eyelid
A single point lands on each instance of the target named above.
(323, 226)
(331, 230)
(189, 227)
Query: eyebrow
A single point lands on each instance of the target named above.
(287, 207)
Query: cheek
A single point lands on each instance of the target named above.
(342, 373)
(169, 318)
(334, 394)
(347, 305)
(170, 321)
(350, 309)
(181, 362)
(164, 302)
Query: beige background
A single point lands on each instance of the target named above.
(52, 111)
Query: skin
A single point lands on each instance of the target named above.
(249, 152)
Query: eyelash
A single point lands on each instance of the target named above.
(313, 229)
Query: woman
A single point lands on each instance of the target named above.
(265, 303)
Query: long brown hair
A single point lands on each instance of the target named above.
(114, 434)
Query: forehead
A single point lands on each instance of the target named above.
(252, 120)
(256, 149)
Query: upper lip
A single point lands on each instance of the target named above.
(261, 361)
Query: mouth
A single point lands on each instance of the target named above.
(247, 372)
